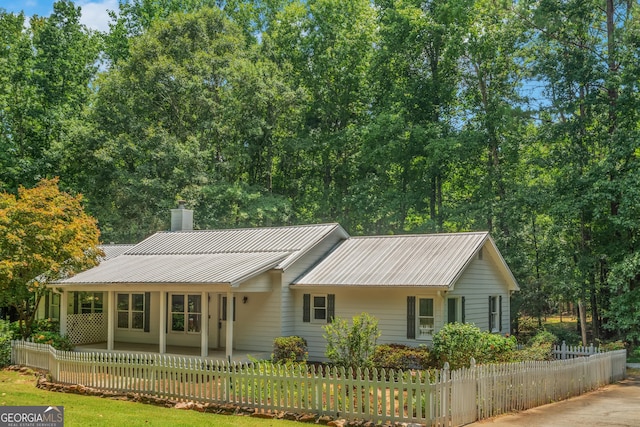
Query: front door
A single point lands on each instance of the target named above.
(222, 310)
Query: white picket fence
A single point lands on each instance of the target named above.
(437, 398)
(565, 351)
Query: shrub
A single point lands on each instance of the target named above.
(540, 348)
(544, 337)
(528, 327)
(54, 339)
(496, 348)
(456, 343)
(5, 343)
(401, 357)
(612, 346)
(289, 350)
(351, 346)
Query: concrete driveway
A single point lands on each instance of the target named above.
(613, 405)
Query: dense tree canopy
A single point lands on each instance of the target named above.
(521, 118)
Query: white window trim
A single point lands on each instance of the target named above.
(185, 313)
(425, 333)
(495, 314)
(54, 306)
(93, 296)
(313, 318)
(130, 311)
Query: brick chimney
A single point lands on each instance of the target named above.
(181, 218)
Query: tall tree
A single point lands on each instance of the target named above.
(182, 116)
(45, 235)
(48, 71)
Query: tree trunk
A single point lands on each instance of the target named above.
(583, 321)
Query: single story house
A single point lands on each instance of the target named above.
(239, 289)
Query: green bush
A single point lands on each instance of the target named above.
(496, 348)
(352, 346)
(289, 350)
(54, 339)
(528, 327)
(544, 337)
(612, 346)
(456, 343)
(401, 357)
(5, 343)
(540, 348)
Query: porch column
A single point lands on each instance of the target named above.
(230, 315)
(204, 325)
(64, 300)
(162, 327)
(111, 311)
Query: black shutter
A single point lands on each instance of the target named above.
(75, 302)
(46, 306)
(500, 311)
(490, 316)
(147, 311)
(166, 325)
(411, 317)
(233, 304)
(331, 307)
(463, 311)
(306, 308)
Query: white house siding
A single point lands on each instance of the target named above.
(257, 321)
(387, 305)
(289, 299)
(480, 280)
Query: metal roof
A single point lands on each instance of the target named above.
(112, 250)
(208, 256)
(227, 268)
(400, 260)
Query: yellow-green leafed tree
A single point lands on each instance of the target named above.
(45, 235)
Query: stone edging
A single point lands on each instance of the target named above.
(214, 408)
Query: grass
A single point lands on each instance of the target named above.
(17, 389)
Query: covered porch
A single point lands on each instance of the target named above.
(153, 320)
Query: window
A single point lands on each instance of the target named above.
(186, 313)
(54, 306)
(425, 317)
(91, 302)
(494, 314)
(131, 311)
(318, 308)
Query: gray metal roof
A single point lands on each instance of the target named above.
(227, 268)
(112, 250)
(209, 256)
(402, 260)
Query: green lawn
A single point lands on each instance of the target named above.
(19, 389)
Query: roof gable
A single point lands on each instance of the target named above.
(432, 260)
